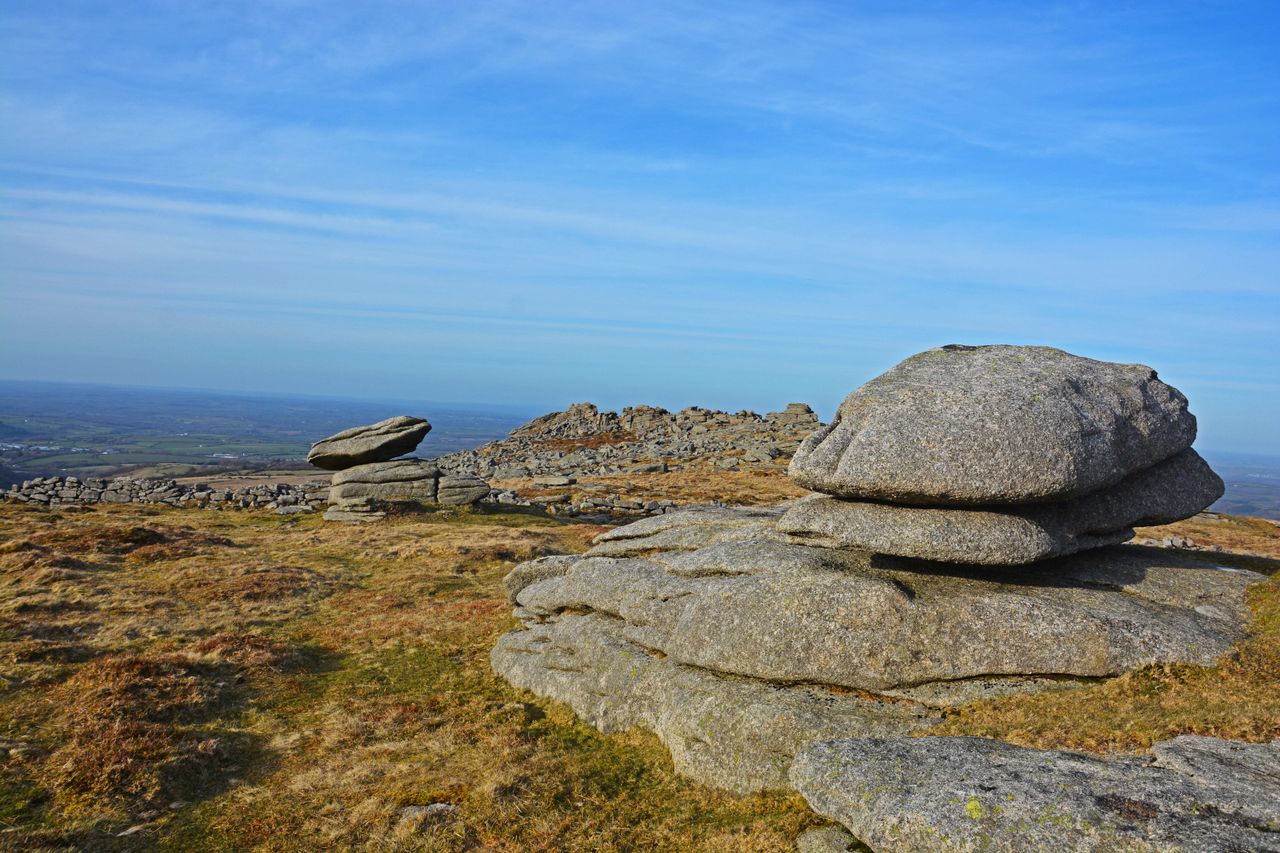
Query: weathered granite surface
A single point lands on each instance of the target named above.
(783, 612)
(1174, 489)
(372, 443)
(753, 609)
(687, 530)
(1194, 794)
(970, 426)
(739, 734)
(418, 480)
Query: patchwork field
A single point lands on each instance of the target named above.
(200, 680)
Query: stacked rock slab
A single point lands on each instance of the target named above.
(742, 635)
(1000, 455)
(367, 474)
(737, 646)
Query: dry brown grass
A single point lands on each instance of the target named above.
(760, 485)
(1239, 534)
(1238, 698)
(245, 650)
(292, 685)
(125, 735)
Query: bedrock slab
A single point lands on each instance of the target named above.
(968, 426)
(728, 732)
(781, 612)
(1192, 793)
(1174, 489)
(371, 443)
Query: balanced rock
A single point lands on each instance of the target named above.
(968, 426)
(732, 621)
(373, 443)
(1174, 489)
(1194, 794)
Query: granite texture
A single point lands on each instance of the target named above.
(970, 426)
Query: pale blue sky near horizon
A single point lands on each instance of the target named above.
(724, 204)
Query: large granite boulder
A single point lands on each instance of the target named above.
(1194, 794)
(403, 480)
(1174, 489)
(908, 636)
(969, 426)
(373, 443)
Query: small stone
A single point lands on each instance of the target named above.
(829, 839)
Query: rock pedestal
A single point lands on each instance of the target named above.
(360, 492)
(967, 548)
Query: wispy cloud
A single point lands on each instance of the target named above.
(767, 200)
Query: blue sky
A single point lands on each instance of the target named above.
(728, 204)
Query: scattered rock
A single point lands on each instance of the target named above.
(373, 443)
(67, 493)
(960, 793)
(640, 439)
(461, 490)
(554, 480)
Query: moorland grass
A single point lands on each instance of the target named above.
(232, 680)
(245, 681)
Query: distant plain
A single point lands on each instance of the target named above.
(103, 430)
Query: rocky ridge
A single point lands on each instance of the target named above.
(584, 440)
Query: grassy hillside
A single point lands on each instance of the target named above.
(196, 680)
